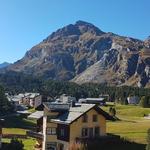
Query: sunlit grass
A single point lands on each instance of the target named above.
(132, 124)
(14, 131)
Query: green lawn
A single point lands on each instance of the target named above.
(32, 110)
(132, 125)
(14, 131)
(19, 121)
(19, 125)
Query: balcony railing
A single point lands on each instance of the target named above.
(33, 134)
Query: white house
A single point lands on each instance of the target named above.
(100, 101)
(35, 100)
(66, 99)
(133, 100)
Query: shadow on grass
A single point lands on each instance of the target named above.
(115, 144)
(4, 146)
(130, 121)
(18, 121)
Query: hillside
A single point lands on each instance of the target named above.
(5, 64)
(81, 52)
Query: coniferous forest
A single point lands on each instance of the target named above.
(15, 83)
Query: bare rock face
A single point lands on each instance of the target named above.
(82, 53)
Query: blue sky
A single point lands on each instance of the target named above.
(25, 23)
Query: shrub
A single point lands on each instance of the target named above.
(148, 140)
(112, 111)
(15, 144)
(145, 102)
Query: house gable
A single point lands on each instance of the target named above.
(77, 126)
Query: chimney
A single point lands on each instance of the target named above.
(73, 103)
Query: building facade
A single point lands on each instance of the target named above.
(32, 99)
(100, 101)
(26, 99)
(64, 125)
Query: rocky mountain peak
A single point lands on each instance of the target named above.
(65, 31)
(81, 52)
(79, 28)
(88, 27)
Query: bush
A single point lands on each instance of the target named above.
(148, 140)
(15, 144)
(112, 111)
(145, 102)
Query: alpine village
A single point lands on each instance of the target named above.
(79, 89)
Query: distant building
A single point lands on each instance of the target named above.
(27, 99)
(32, 99)
(100, 101)
(133, 100)
(15, 99)
(66, 99)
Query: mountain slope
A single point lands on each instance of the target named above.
(82, 53)
(5, 64)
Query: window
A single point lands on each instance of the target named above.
(95, 118)
(91, 132)
(96, 132)
(51, 131)
(51, 146)
(61, 147)
(84, 132)
(62, 132)
(85, 118)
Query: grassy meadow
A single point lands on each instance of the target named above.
(132, 125)
(16, 124)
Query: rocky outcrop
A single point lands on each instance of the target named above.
(81, 52)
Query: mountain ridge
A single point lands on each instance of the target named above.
(81, 53)
(4, 64)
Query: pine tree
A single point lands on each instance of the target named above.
(4, 104)
(145, 101)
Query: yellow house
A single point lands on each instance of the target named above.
(64, 125)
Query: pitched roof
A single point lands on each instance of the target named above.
(76, 112)
(54, 106)
(36, 115)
